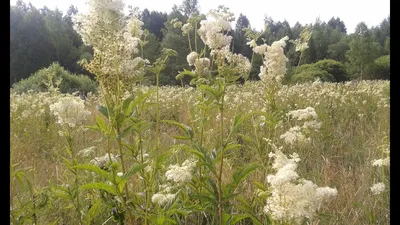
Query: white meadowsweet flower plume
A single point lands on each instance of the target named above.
(313, 124)
(381, 162)
(274, 67)
(181, 174)
(297, 133)
(293, 135)
(162, 199)
(293, 199)
(191, 58)
(113, 37)
(202, 65)
(186, 28)
(378, 188)
(212, 31)
(303, 114)
(261, 49)
(252, 43)
(240, 63)
(70, 111)
(102, 161)
(135, 27)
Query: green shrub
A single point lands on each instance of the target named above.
(55, 76)
(382, 67)
(335, 68)
(311, 74)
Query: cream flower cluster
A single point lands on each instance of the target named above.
(113, 38)
(162, 198)
(293, 199)
(378, 188)
(186, 28)
(181, 174)
(274, 66)
(293, 135)
(303, 114)
(240, 63)
(212, 30)
(192, 57)
(177, 175)
(296, 133)
(102, 161)
(70, 111)
(381, 162)
(302, 42)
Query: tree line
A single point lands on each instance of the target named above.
(39, 37)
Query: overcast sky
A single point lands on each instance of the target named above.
(372, 12)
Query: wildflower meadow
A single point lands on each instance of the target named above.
(217, 151)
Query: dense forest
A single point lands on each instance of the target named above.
(39, 37)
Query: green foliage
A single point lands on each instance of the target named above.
(154, 22)
(56, 76)
(173, 39)
(334, 68)
(381, 68)
(311, 74)
(337, 51)
(239, 39)
(326, 70)
(39, 37)
(362, 53)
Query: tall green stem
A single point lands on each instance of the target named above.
(157, 113)
(195, 36)
(220, 193)
(70, 145)
(190, 45)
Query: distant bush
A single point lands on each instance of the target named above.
(382, 67)
(56, 76)
(326, 70)
(335, 68)
(311, 74)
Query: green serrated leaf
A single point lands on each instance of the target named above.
(259, 185)
(182, 74)
(101, 186)
(188, 130)
(232, 146)
(103, 110)
(133, 170)
(93, 211)
(248, 139)
(101, 124)
(125, 131)
(125, 106)
(244, 172)
(95, 169)
(181, 137)
(231, 219)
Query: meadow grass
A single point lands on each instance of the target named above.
(354, 132)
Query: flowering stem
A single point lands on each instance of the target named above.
(190, 45)
(123, 171)
(119, 144)
(220, 193)
(251, 63)
(201, 145)
(70, 143)
(157, 112)
(195, 36)
(298, 64)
